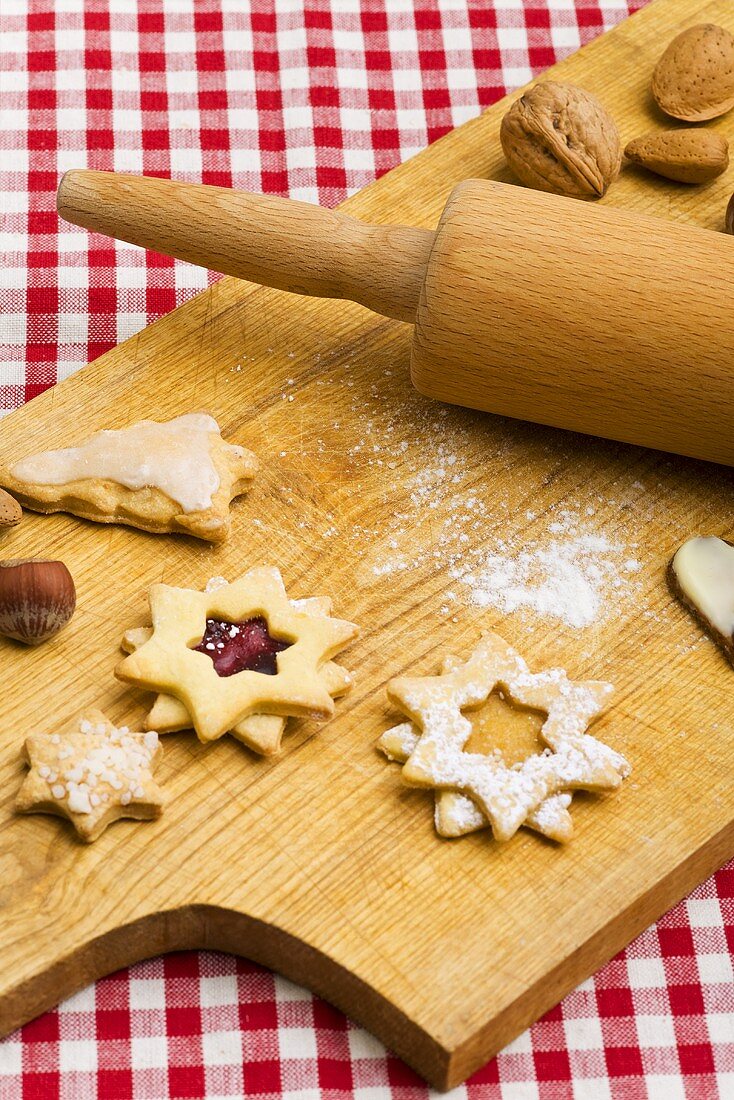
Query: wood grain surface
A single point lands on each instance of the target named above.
(278, 242)
(569, 314)
(580, 316)
(321, 864)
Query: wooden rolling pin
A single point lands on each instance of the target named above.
(537, 307)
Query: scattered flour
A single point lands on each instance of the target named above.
(566, 578)
(479, 528)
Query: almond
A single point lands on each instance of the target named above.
(694, 79)
(10, 511)
(688, 156)
(559, 138)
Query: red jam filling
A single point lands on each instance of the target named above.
(240, 647)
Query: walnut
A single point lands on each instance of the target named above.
(559, 138)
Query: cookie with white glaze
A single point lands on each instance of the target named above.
(701, 575)
(176, 476)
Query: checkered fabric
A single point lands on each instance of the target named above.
(310, 98)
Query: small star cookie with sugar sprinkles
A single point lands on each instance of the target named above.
(93, 774)
(507, 797)
(262, 733)
(237, 650)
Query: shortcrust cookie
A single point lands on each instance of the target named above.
(178, 476)
(506, 795)
(237, 650)
(701, 575)
(260, 732)
(457, 815)
(92, 774)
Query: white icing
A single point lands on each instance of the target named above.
(173, 457)
(704, 568)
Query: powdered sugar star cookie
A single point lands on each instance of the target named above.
(175, 476)
(506, 795)
(456, 815)
(190, 656)
(260, 732)
(93, 774)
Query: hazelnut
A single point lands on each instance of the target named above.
(37, 599)
(729, 220)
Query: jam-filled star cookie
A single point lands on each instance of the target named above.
(92, 774)
(505, 795)
(177, 476)
(262, 733)
(236, 651)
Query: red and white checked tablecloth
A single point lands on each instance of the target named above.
(313, 99)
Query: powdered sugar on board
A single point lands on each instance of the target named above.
(570, 575)
(490, 532)
(568, 570)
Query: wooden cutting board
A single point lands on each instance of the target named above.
(320, 864)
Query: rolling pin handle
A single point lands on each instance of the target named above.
(293, 246)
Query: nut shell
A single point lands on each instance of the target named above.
(729, 220)
(694, 79)
(559, 138)
(688, 156)
(37, 599)
(11, 512)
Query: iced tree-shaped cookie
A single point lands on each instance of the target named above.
(177, 475)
